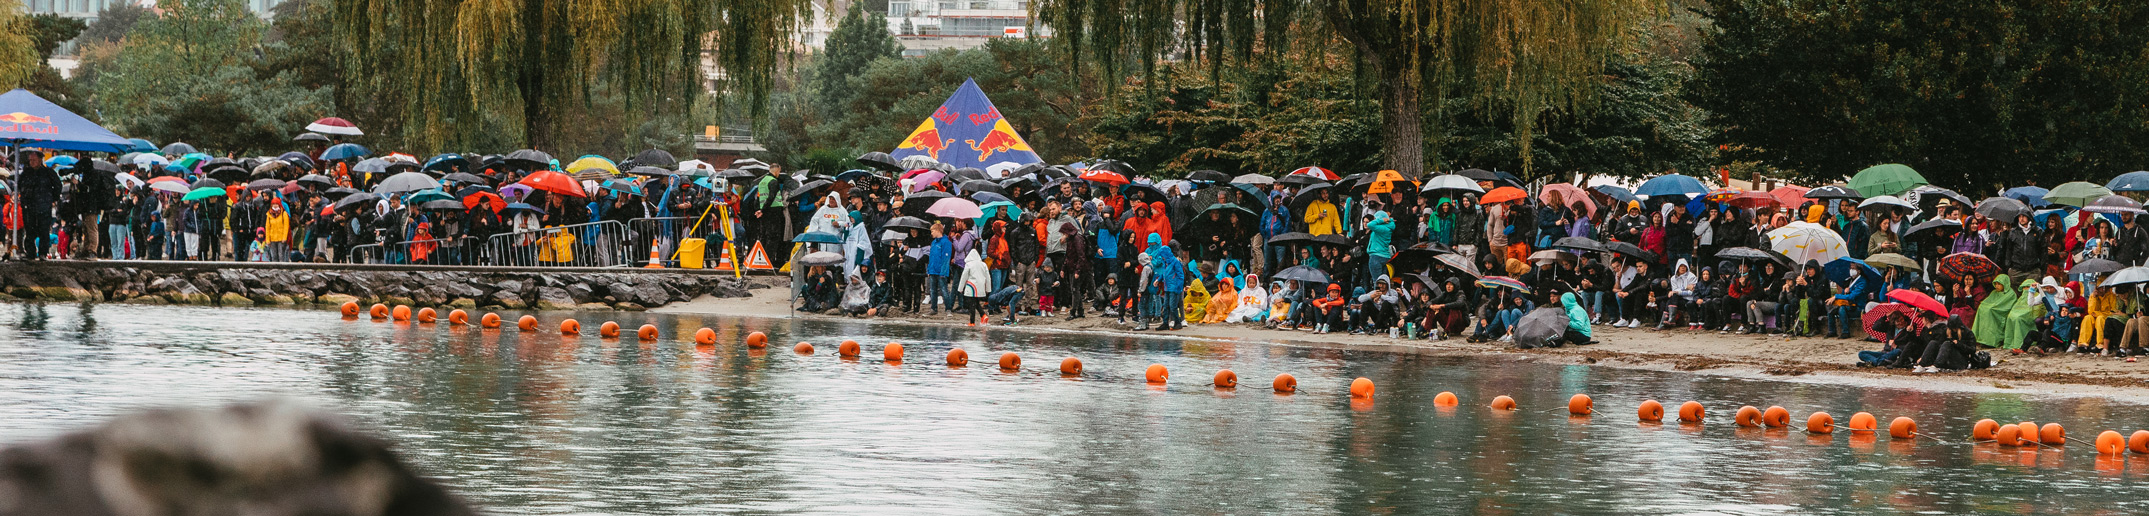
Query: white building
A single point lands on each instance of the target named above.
(926, 26)
(87, 9)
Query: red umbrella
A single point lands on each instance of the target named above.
(1319, 172)
(1751, 200)
(1789, 196)
(471, 201)
(1967, 268)
(333, 125)
(1882, 311)
(1104, 176)
(554, 182)
(1918, 299)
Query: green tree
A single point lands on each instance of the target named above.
(114, 21)
(19, 62)
(51, 30)
(193, 74)
(301, 39)
(1971, 94)
(859, 39)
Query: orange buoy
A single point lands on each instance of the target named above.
(1984, 430)
(458, 317)
(1156, 374)
(1502, 402)
(1691, 412)
(379, 311)
(2138, 441)
(1820, 423)
(350, 309)
(401, 313)
(648, 332)
(1285, 383)
(1226, 379)
(1070, 366)
(570, 327)
(705, 337)
(848, 349)
(757, 340)
(1864, 422)
(609, 330)
(958, 358)
(1362, 388)
(1776, 417)
(1010, 361)
(2008, 435)
(1902, 428)
(490, 320)
(1651, 411)
(803, 348)
(893, 352)
(1445, 399)
(1580, 405)
(426, 315)
(527, 323)
(1748, 416)
(2029, 431)
(2110, 443)
(2052, 434)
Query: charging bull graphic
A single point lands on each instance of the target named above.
(970, 118)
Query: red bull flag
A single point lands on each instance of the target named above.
(28, 120)
(967, 131)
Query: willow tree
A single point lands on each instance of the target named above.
(1517, 57)
(18, 49)
(463, 74)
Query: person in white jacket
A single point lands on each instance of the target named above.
(1682, 291)
(976, 284)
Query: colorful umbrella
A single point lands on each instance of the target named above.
(1385, 181)
(491, 200)
(1721, 194)
(554, 182)
(1888, 179)
(599, 168)
(1319, 172)
(333, 125)
(1752, 200)
(1833, 192)
(1919, 300)
(1881, 312)
(204, 193)
(1568, 196)
(1967, 268)
(1104, 176)
(1805, 241)
(1503, 282)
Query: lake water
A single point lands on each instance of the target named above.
(538, 423)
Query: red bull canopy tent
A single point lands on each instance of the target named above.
(967, 131)
(27, 120)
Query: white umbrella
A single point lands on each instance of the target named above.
(1804, 241)
(407, 182)
(2127, 276)
(918, 162)
(1002, 169)
(1451, 182)
(1889, 200)
(695, 164)
(147, 160)
(128, 180)
(1254, 179)
(170, 186)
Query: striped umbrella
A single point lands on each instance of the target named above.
(1503, 282)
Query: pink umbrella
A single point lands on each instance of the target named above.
(1568, 196)
(923, 181)
(956, 207)
(1789, 196)
(333, 125)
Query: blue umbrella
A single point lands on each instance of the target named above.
(818, 237)
(1013, 212)
(2035, 197)
(1842, 270)
(141, 145)
(61, 162)
(32, 121)
(623, 186)
(344, 151)
(446, 162)
(1669, 185)
(1616, 193)
(2137, 181)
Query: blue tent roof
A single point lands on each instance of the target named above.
(967, 131)
(31, 121)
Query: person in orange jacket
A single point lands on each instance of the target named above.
(1329, 308)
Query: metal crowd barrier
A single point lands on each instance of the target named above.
(431, 251)
(662, 232)
(594, 244)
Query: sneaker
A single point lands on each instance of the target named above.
(1660, 327)
(1507, 338)
(2073, 348)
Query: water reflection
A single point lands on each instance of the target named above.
(539, 423)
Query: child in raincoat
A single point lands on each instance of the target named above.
(1222, 303)
(1195, 306)
(1577, 321)
(1253, 303)
(976, 284)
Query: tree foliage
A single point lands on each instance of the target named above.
(1971, 94)
(49, 30)
(192, 74)
(114, 21)
(19, 62)
(859, 39)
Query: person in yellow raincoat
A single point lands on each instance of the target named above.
(1321, 216)
(556, 247)
(1197, 299)
(1221, 304)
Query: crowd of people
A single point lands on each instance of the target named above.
(1933, 277)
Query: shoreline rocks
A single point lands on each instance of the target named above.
(235, 285)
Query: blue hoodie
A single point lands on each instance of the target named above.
(937, 257)
(1170, 272)
(1107, 244)
(1577, 318)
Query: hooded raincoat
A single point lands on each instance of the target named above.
(1992, 323)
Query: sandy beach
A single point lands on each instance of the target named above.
(1756, 356)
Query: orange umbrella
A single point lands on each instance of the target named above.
(1502, 194)
(554, 182)
(493, 201)
(1385, 181)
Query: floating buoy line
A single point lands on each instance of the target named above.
(1361, 390)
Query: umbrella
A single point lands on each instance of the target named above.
(1459, 263)
(447, 162)
(1919, 300)
(1209, 176)
(141, 145)
(177, 149)
(1104, 176)
(1805, 241)
(338, 192)
(1582, 244)
(554, 182)
(1568, 196)
(2114, 203)
(955, 207)
(1253, 179)
(818, 237)
(922, 179)
(204, 193)
(1967, 268)
(651, 171)
(1892, 260)
(1302, 180)
(808, 188)
(1305, 197)
(2002, 209)
(1846, 270)
(317, 179)
(1931, 225)
(1331, 240)
(992, 209)
(2137, 181)
(2095, 266)
(907, 222)
(1752, 200)
(655, 158)
(406, 182)
(733, 173)
(425, 196)
(356, 199)
(309, 137)
(1788, 195)
(298, 159)
(1419, 256)
(592, 167)
(1302, 273)
(821, 259)
(1147, 193)
(466, 178)
(1543, 327)
(1294, 237)
(150, 161)
(1384, 181)
(1670, 185)
(1721, 194)
(177, 187)
(1881, 311)
(926, 198)
(333, 125)
(880, 160)
(1503, 194)
(981, 185)
(1888, 179)
(491, 200)
(1551, 255)
(207, 183)
(2127, 276)
(848, 176)
(623, 186)
(1926, 197)
(1478, 174)
(529, 158)
(1631, 251)
(1832, 192)
(271, 167)
(2030, 195)
(342, 151)
(1887, 200)
(1749, 254)
(442, 205)
(1318, 172)
(265, 184)
(2077, 194)
(523, 206)
(1449, 184)
(989, 197)
(1503, 282)
(125, 180)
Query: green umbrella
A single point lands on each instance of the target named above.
(425, 196)
(204, 193)
(2076, 194)
(1889, 179)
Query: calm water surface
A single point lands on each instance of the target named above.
(544, 424)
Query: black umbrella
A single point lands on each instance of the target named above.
(2002, 209)
(340, 192)
(299, 160)
(1579, 244)
(466, 178)
(1749, 253)
(1302, 180)
(442, 204)
(655, 158)
(1113, 165)
(1418, 257)
(1149, 193)
(1479, 174)
(309, 137)
(1208, 175)
(1631, 250)
(229, 172)
(206, 183)
(265, 184)
(1025, 184)
(907, 222)
(2095, 266)
(915, 204)
(965, 174)
(1033, 169)
(733, 173)
(529, 158)
(880, 160)
(1332, 239)
(1306, 196)
(1931, 225)
(356, 199)
(1302, 273)
(1201, 227)
(177, 149)
(981, 185)
(1833, 192)
(808, 188)
(1292, 238)
(104, 166)
(984, 198)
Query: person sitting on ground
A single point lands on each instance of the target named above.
(1194, 306)
(1709, 294)
(1815, 292)
(1375, 310)
(1762, 304)
(1221, 303)
(1577, 321)
(1253, 303)
(1281, 299)
(822, 293)
(1328, 310)
(1633, 295)
(1679, 296)
(1894, 329)
(1498, 315)
(1449, 312)
(857, 296)
(1953, 350)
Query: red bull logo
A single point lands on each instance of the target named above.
(1002, 138)
(19, 122)
(19, 117)
(926, 139)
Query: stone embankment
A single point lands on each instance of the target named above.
(255, 284)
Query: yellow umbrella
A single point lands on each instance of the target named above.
(1385, 181)
(592, 162)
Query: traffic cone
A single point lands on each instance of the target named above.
(655, 262)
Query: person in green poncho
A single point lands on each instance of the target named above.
(2023, 317)
(1991, 323)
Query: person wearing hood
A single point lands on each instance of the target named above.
(938, 268)
(2052, 304)
(1194, 305)
(1764, 302)
(1378, 308)
(1328, 311)
(1577, 321)
(1172, 284)
(1502, 309)
(1990, 324)
(1379, 233)
(38, 188)
(857, 296)
(1440, 223)
(1222, 303)
(1949, 346)
(1844, 309)
(1253, 303)
(1449, 312)
(975, 284)
(1275, 221)
(1680, 295)
(1632, 294)
(2100, 305)
(2022, 318)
